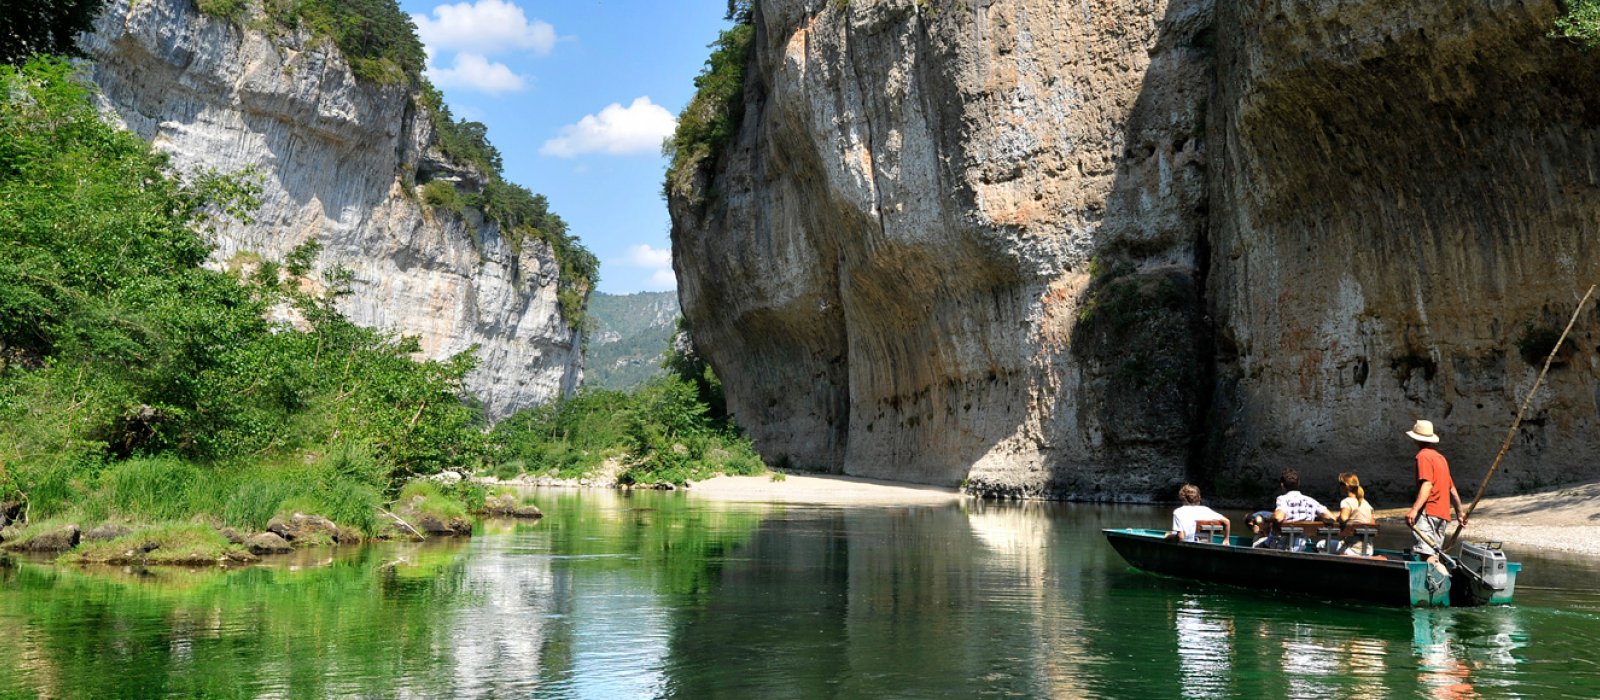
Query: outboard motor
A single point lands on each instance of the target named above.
(1484, 572)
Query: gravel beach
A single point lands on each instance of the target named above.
(1564, 519)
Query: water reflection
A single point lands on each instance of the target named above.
(1205, 650)
(653, 595)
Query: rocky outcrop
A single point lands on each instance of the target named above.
(338, 162)
(1405, 209)
(304, 530)
(1093, 252)
(510, 505)
(60, 539)
(267, 543)
(890, 272)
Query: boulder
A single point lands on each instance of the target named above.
(9, 512)
(268, 543)
(105, 532)
(447, 477)
(231, 535)
(509, 506)
(447, 527)
(302, 529)
(59, 540)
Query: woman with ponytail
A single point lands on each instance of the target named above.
(1354, 510)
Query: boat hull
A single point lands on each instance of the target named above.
(1381, 581)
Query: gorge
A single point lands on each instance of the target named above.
(1092, 251)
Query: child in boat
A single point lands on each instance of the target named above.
(1186, 519)
(1353, 510)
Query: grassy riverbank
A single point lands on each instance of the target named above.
(141, 389)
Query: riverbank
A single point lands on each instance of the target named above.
(1564, 519)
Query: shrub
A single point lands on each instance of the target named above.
(442, 195)
(712, 117)
(1581, 23)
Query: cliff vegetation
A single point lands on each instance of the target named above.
(138, 387)
(381, 44)
(712, 117)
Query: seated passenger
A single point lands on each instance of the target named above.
(1186, 518)
(1264, 533)
(1294, 506)
(1353, 510)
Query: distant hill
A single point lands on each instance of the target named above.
(629, 337)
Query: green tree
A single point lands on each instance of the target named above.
(1581, 22)
(29, 27)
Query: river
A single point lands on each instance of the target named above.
(664, 595)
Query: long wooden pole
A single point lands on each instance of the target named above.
(1512, 434)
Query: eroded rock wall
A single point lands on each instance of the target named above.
(890, 269)
(337, 160)
(1089, 250)
(1405, 198)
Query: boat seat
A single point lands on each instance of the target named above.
(1297, 531)
(1215, 530)
(1368, 532)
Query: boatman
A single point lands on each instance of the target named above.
(1436, 494)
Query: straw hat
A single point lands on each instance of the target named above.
(1422, 432)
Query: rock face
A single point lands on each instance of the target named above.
(337, 160)
(1093, 252)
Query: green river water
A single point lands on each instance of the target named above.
(664, 595)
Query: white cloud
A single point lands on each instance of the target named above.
(657, 262)
(474, 72)
(616, 130)
(484, 27)
(661, 281)
(643, 255)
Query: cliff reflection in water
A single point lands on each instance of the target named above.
(659, 595)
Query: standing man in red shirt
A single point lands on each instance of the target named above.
(1436, 493)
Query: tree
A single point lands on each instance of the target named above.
(44, 26)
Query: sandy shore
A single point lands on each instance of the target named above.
(1565, 519)
(822, 490)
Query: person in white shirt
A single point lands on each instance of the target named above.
(1186, 518)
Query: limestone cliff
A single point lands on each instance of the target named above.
(338, 160)
(1093, 250)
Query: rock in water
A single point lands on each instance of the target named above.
(267, 543)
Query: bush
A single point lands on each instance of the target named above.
(712, 117)
(137, 384)
(1581, 23)
(442, 195)
(376, 37)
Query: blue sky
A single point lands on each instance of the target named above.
(577, 95)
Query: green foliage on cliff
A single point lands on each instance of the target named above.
(464, 141)
(120, 356)
(375, 36)
(521, 214)
(712, 117)
(1581, 22)
(44, 27)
